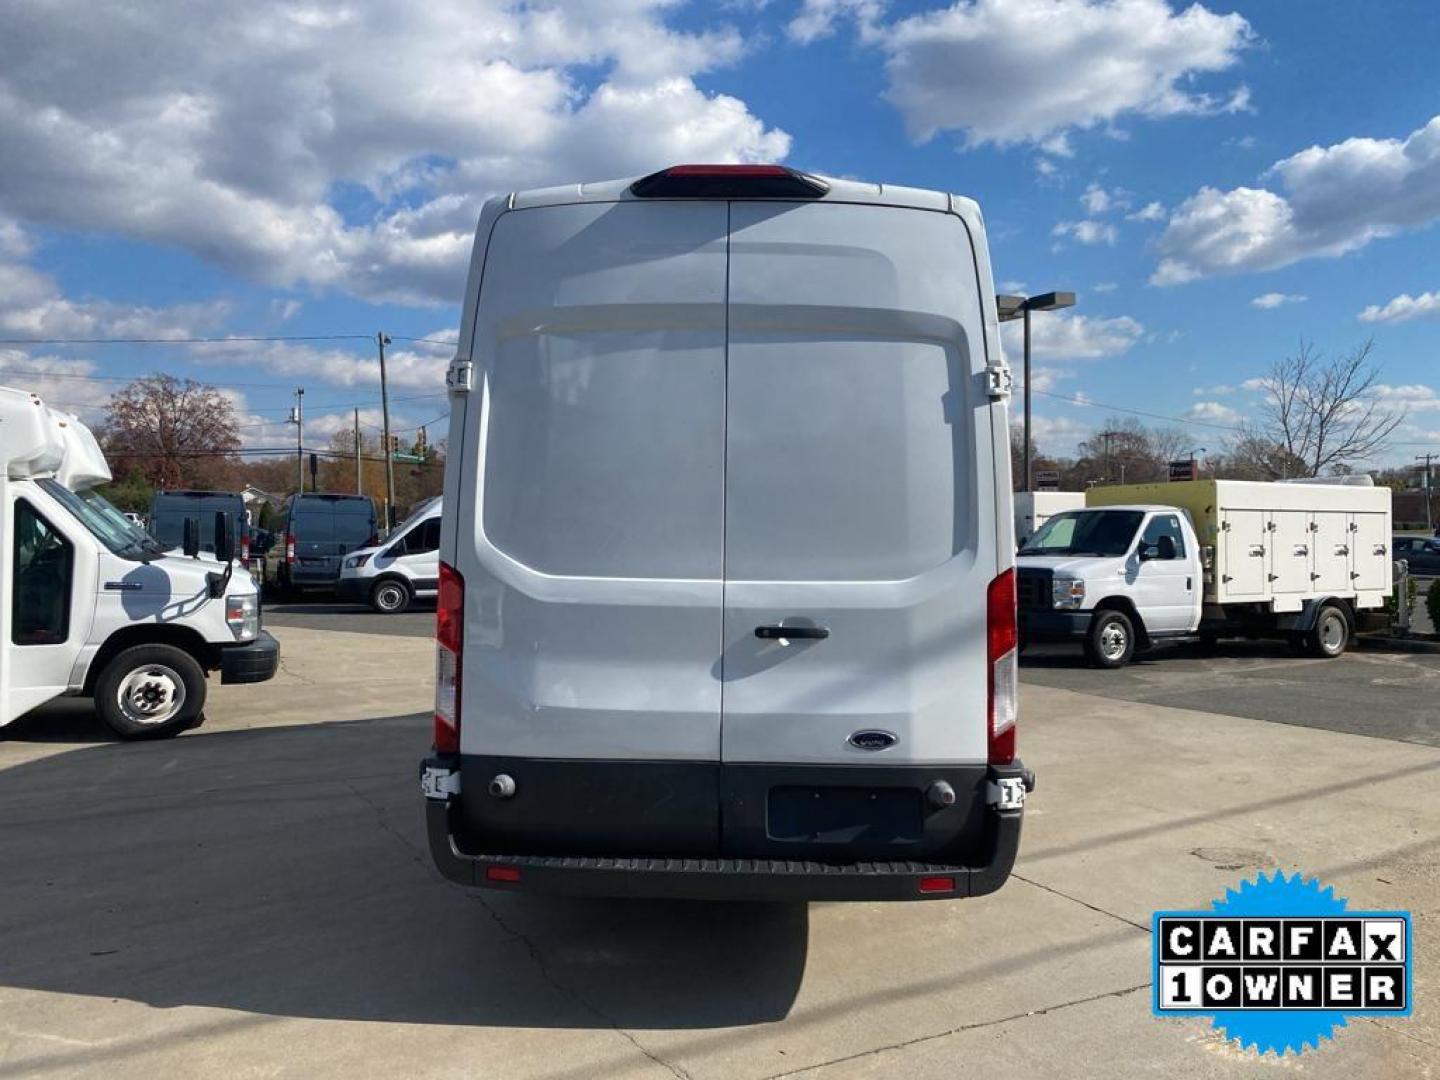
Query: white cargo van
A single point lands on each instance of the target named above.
(726, 602)
(92, 605)
(404, 568)
(1142, 563)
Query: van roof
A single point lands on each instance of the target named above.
(840, 190)
(196, 493)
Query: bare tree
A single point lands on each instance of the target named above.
(1322, 413)
(174, 432)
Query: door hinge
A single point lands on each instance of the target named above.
(460, 375)
(439, 783)
(998, 382)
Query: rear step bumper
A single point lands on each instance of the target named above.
(731, 879)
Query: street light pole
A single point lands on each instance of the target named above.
(300, 439)
(381, 340)
(1020, 307)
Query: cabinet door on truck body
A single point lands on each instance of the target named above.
(1244, 561)
(1333, 546)
(1371, 552)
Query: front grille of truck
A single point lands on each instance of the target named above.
(1032, 588)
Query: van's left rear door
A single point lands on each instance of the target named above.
(592, 559)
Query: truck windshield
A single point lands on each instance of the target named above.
(105, 523)
(1085, 532)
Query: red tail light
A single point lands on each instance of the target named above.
(449, 641)
(245, 552)
(1002, 637)
(290, 549)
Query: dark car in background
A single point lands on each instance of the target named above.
(169, 509)
(1421, 552)
(315, 533)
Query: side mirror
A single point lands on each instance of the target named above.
(190, 539)
(1165, 548)
(224, 536)
(1146, 552)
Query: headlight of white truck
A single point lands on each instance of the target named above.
(242, 615)
(1067, 592)
(354, 562)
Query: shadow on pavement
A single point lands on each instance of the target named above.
(283, 871)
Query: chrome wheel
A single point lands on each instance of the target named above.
(1113, 641)
(152, 694)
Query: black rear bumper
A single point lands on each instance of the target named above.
(705, 878)
(254, 662)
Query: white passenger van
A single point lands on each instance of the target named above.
(406, 567)
(90, 604)
(726, 602)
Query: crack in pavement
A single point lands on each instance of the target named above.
(1082, 903)
(961, 1029)
(538, 959)
(417, 854)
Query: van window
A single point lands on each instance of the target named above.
(1164, 525)
(44, 571)
(421, 540)
(168, 511)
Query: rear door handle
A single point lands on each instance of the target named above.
(787, 634)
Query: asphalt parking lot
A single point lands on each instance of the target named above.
(255, 897)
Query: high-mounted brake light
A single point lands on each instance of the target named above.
(449, 640)
(729, 182)
(1002, 639)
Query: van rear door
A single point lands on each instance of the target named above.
(593, 566)
(859, 453)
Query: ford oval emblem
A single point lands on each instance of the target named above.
(873, 740)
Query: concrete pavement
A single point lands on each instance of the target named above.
(255, 899)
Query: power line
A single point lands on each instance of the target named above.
(190, 340)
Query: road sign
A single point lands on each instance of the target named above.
(1184, 470)
(1047, 480)
(406, 457)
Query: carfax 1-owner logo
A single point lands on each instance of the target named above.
(1279, 963)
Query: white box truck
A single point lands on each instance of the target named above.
(726, 599)
(1308, 562)
(90, 604)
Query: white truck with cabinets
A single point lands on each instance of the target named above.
(90, 604)
(1308, 562)
(726, 601)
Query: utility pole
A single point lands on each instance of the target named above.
(1425, 486)
(1029, 481)
(1107, 436)
(381, 340)
(359, 487)
(300, 439)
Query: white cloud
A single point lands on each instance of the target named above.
(1013, 288)
(1414, 397)
(1332, 200)
(32, 305)
(71, 384)
(1219, 390)
(1151, 211)
(1086, 232)
(1403, 308)
(1256, 383)
(1012, 71)
(234, 147)
(1059, 435)
(818, 18)
(1104, 287)
(1212, 412)
(1061, 336)
(1276, 299)
(1096, 200)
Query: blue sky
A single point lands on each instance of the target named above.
(1215, 182)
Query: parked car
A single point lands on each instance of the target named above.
(318, 530)
(1421, 552)
(726, 604)
(404, 568)
(169, 511)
